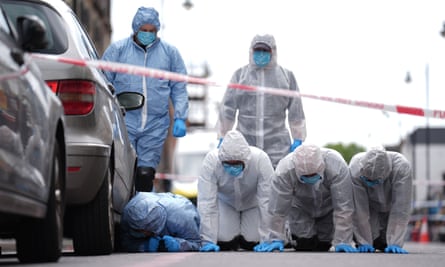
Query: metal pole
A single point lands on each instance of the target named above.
(427, 134)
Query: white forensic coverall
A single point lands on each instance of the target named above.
(385, 208)
(262, 116)
(323, 209)
(230, 206)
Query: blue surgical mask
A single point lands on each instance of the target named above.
(371, 183)
(261, 58)
(233, 170)
(146, 38)
(310, 179)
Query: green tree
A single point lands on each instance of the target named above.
(347, 150)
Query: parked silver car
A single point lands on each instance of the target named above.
(100, 158)
(32, 147)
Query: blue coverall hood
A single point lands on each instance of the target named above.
(146, 15)
(146, 214)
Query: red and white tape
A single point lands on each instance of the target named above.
(155, 73)
(15, 74)
(176, 177)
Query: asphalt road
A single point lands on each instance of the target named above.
(424, 255)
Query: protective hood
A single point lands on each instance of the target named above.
(308, 159)
(146, 214)
(375, 164)
(146, 15)
(234, 147)
(269, 41)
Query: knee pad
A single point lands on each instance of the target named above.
(380, 243)
(247, 245)
(323, 246)
(305, 244)
(144, 179)
(229, 245)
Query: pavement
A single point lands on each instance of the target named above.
(7, 246)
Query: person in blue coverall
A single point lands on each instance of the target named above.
(148, 126)
(160, 222)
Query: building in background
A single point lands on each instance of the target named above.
(96, 18)
(425, 149)
(198, 96)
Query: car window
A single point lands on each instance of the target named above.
(4, 24)
(85, 43)
(56, 33)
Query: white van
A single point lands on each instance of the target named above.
(187, 161)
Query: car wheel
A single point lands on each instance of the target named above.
(93, 226)
(41, 240)
(117, 225)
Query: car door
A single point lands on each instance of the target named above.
(23, 130)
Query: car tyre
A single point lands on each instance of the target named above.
(117, 226)
(41, 240)
(93, 224)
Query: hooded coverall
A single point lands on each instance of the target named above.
(162, 214)
(148, 126)
(261, 116)
(232, 208)
(320, 214)
(383, 211)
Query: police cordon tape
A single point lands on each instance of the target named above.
(176, 177)
(15, 74)
(155, 73)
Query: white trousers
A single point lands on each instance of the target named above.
(233, 223)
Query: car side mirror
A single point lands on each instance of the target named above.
(32, 33)
(131, 100)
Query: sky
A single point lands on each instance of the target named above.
(350, 49)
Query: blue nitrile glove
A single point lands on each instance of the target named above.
(395, 249)
(171, 243)
(366, 248)
(345, 248)
(152, 244)
(296, 143)
(260, 247)
(179, 128)
(220, 141)
(269, 246)
(209, 247)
